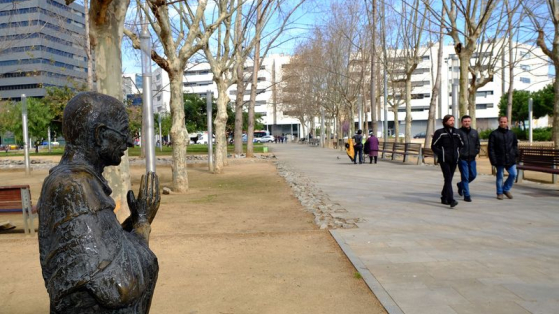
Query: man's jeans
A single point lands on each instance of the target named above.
(468, 173)
(501, 188)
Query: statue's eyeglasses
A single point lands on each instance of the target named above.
(124, 136)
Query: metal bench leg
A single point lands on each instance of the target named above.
(27, 212)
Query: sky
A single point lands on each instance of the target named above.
(303, 20)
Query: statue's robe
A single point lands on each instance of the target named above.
(90, 263)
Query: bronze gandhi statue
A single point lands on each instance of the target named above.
(90, 262)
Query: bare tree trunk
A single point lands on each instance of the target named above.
(88, 48)
(396, 124)
(472, 108)
(239, 111)
(407, 134)
(254, 87)
(179, 134)
(463, 93)
(106, 34)
(240, 83)
(435, 93)
(220, 122)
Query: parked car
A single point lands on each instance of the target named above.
(401, 135)
(265, 139)
(204, 139)
(419, 135)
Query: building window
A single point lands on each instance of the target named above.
(159, 98)
(525, 80)
(484, 93)
(158, 77)
(525, 67)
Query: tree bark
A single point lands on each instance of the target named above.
(88, 48)
(220, 122)
(179, 134)
(106, 36)
(407, 134)
(240, 60)
(435, 94)
(254, 85)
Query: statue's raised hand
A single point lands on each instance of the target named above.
(143, 208)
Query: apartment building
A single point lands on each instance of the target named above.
(198, 79)
(531, 73)
(41, 44)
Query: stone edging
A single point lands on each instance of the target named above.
(327, 214)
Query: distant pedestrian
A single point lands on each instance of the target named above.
(503, 152)
(358, 146)
(468, 153)
(371, 147)
(446, 144)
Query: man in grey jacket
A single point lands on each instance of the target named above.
(468, 153)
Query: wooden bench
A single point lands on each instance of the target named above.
(314, 142)
(426, 153)
(386, 147)
(538, 159)
(398, 149)
(15, 199)
(414, 149)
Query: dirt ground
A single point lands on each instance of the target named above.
(235, 243)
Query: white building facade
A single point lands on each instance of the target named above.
(531, 73)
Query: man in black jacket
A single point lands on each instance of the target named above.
(446, 144)
(503, 152)
(468, 153)
(358, 147)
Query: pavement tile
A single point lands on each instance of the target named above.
(487, 256)
(490, 308)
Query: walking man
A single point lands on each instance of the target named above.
(358, 146)
(446, 144)
(468, 153)
(503, 152)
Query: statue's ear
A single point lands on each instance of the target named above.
(99, 134)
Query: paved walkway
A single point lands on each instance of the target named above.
(488, 256)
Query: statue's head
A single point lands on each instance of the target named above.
(95, 123)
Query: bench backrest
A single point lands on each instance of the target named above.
(11, 199)
(413, 148)
(543, 157)
(399, 147)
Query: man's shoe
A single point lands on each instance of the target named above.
(444, 201)
(460, 191)
(467, 199)
(508, 195)
(453, 204)
(499, 196)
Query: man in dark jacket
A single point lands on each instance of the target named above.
(503, 152)
(446, 144)
(468, 153)
(358, 146)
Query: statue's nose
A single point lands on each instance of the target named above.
(129, 141)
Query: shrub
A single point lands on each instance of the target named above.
(520, 133)
(484, 134)
(542, 134)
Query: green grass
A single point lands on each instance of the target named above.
(357, 275)
(193, 149)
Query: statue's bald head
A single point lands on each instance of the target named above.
(86, 111)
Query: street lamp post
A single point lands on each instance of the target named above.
(530, 125)
(160, 137)
(147, 123)
(25, 132)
